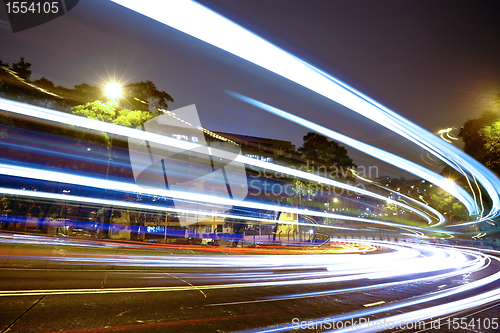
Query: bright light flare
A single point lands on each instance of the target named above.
(113, 90)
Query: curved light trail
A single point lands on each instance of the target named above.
(397, 265)
(433, 177)
(332, 274)
(64, 118)
(208, 26)
(155, 208)
(60, 177)
(416, 202)
(344, 321)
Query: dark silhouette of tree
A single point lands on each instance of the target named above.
(3, 77)
(6, 124)
(44, 97)
(22, 68)
(65, 101)
(146, 97)
(85, 93)
(491, 136)
(320, 150)
(14, 79)
(473, 142)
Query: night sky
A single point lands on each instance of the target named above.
(435, 62)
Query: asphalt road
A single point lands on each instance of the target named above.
(226, 293)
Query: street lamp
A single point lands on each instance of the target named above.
(448, 185)
(113, 90)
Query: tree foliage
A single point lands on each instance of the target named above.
(390, 208)
(86, 93)
(15, 87)
(146, 97)
(481, 139)
(16, 84)
(22, 68)
(42, 97)
(446, 203)
(110, 112)
(491, 136)
(325, 152)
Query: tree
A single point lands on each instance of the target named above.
(291, 159)
(480, 137)
(4, 77)
(16, 84)
(86, 93)
(22, 68)
(474, 143)
(390, 208)
(44, 97)
(5, 124)
(146, 97)
(322, 151)
(66, 101)
(491, 137)
(13, 85)
(110, 113)
(446, 203)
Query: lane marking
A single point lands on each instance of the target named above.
(373, 304)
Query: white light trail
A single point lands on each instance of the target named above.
(206, 25)
(60, 177)
(433, 177)
(437, 263)
(141, 206)
(64, 118)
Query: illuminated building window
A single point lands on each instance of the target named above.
(180, 137)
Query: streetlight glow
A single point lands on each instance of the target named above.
(113, 90)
